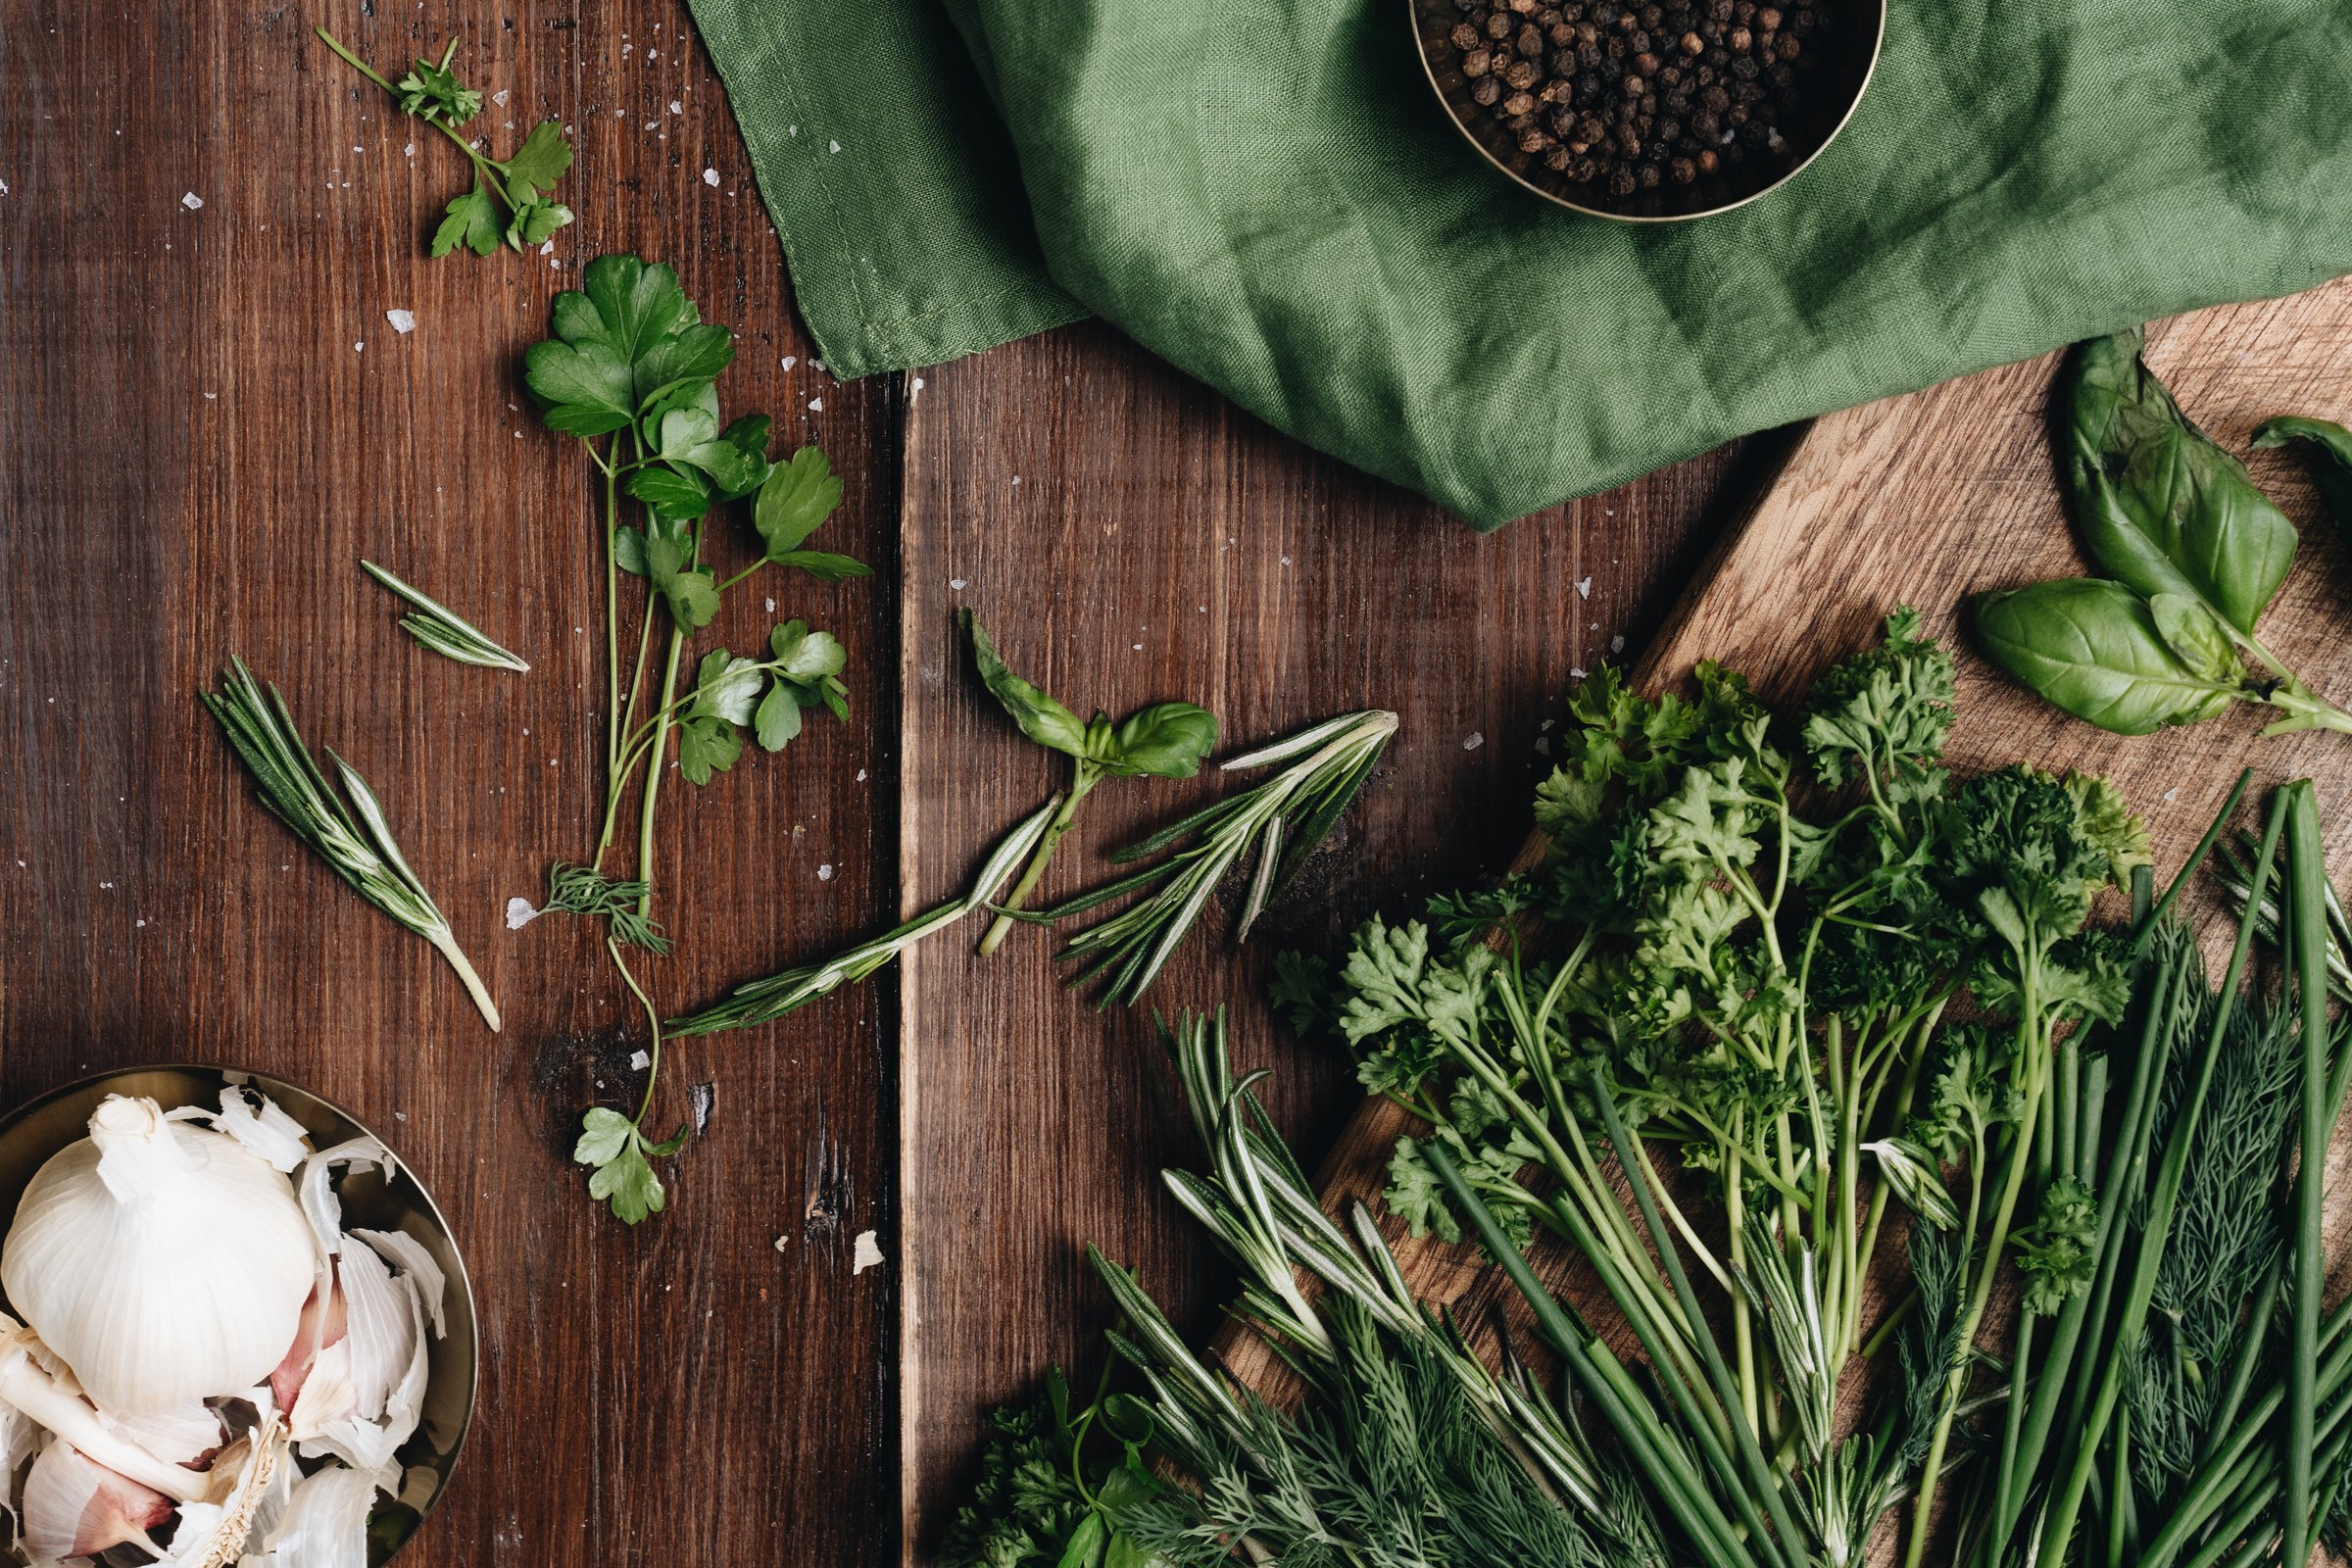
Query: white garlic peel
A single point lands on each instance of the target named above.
(164, 1262)
(107, 1472)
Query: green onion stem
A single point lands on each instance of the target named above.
(2307, 890)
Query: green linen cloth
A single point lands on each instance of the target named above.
(1266, 193)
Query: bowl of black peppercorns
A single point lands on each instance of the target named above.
(1650, 111)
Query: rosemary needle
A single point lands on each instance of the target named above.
(361, 848)
(443, 630)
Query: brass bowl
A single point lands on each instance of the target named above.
(1853, 41)
(39, 1128)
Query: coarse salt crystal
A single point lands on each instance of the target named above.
(1584, 588)
(824, 873)
(191, 201)
(402, 320)
(1474, 741)
(816, 404)
(868, 1253)
(710, 176)
(957, 583)
(832, 146)
(638, 1061)
(520, 914)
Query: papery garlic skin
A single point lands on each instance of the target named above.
(164, 1262)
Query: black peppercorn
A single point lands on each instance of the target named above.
(1485, 91)
(1517, 104)
(1682, 170)
(1477, 63)
(1650, 177)
(1521, 73)
(1464, 35)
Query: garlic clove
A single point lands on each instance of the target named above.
(329, 1395)
(39, 1396)
(76, 1507)
(164, 1262)
(323, 1323)
(325, 1522)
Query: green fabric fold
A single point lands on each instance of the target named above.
(1265, 193)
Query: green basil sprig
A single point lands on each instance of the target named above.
(2193, 551)
(1166, 740)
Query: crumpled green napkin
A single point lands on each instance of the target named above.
(1266, 193)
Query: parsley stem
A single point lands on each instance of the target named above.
(613, 717)
(355, 61)
(1082, 782)
(653, 770)
(653, 1021)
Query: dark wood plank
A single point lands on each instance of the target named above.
(200, 453)
(1127, 536)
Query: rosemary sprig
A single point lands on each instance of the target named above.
(361, 851)
(443, 630)
(779, 994)
(1282, 819)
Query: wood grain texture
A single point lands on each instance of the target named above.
(1126, 536)
(202, 451)
(1926, 500)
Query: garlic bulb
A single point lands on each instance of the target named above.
(165, 1263)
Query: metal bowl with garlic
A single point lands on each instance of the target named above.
(235, 1330)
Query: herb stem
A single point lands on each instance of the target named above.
(2307, 928)
(1082, 782)
(447, 946)
(355, 61)
(653, 770)
(653, 1022)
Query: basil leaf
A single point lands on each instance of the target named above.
(1166, 740)
(2196, 639)
(2162, 507)
(2092, 647)
(2333, 444)
(1041, 718)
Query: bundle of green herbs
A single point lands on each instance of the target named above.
(1753, 998)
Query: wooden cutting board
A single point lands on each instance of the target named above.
(1928, 498)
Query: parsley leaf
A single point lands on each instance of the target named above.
(622, 1159)
(691, 597)
(472, 222)
(544, 158)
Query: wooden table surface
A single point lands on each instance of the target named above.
(205, 219)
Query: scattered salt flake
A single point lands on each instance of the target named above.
(402, 320)
(771, 606)
(918, 383)
(1617, 645)
(359, 348)
(1584, 588)
(868, 1253)
(791, 360)
(824, 873)
(1473, 740)
(1576, 675)
(710, 176)
(780, 1240)
(1542, 745)
(1286, 561)
(211, 397)
(816, 404)
(499, 97)
(410, 151)
(676, 108)
(638, 1061)
(792, 130)
(142, 925)
(1138, 647)
(957, 583)
(832, 146)
(2173, 794)
(520, 914)
(191, 201)
(861, 779)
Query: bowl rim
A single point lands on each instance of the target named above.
(272, 1085)
(1429, 73)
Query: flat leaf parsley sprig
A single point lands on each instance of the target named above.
(521, 185)
(631, 374)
